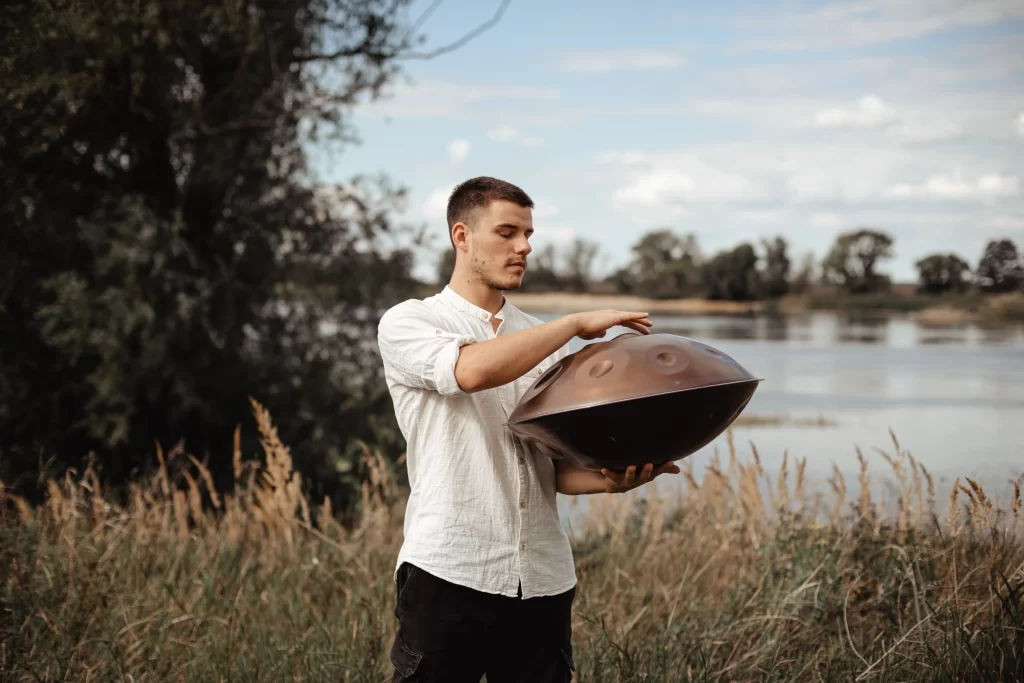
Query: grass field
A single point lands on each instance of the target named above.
(745, 577)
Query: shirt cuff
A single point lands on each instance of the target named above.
(444, 365)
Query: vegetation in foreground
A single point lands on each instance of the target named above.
(747, 576)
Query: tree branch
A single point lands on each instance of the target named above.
(490, 23)
(364, 48)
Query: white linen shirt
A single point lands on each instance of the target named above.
(481, 510)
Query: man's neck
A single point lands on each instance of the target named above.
(477, 293)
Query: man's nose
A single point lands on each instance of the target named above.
(523, 246)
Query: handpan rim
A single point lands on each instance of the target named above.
(593, 404)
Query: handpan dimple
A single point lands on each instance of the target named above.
(601, 369)
(677, 393)
(666, 359)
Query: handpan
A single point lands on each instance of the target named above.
(631, 400)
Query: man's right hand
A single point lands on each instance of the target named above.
(595, 324)
(498, 361)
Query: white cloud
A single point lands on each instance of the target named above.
(446, 100)
(458, 150)
(509, 134)
(742, 172)
(655, 187)
(557, 234)
(901, 125)
(922, 128)
(872, 22)
(826, 219)
(869, 112)
(1007, 223)
(1020, 126)
(605, 61)
(762, 216)
(545, 210)
(955, 186)
(435, 206)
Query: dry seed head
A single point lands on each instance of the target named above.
(195, 503)
(237, 454)
(980, 493)
(165, 485)
(782, 484)
(1016, 500)
(931, 482)
(864, 479)
(208, 480)
(799, 493)
(757, 459)
(895, 441)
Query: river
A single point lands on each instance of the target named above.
(954, 397)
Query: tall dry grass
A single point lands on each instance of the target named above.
(748, 576)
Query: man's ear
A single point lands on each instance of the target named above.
(460, 235)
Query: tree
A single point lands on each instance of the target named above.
(664, 266)
(940, 273)
(732, 275)
(1001, 268)
(167, 251)
(776, 269)
(579, 265)
(851, 263)
(542, 271)
(804, 277)
(445, 267)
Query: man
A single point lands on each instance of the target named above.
(485, 576)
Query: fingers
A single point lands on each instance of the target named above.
(638, 326)
(630, 479)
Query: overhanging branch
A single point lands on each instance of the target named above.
(364, 48)
(490, 23)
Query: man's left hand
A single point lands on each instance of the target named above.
(620, 482)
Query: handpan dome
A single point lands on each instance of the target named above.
(633, 399)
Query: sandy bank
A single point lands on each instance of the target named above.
(558, 302)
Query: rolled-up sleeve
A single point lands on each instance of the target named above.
(418, 351)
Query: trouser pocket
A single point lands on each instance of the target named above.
(405, 660)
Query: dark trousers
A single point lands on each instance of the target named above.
(455, 634)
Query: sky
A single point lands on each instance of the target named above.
(733, 121)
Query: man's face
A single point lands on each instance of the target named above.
(498, 243)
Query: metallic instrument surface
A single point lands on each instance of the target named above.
(633, 399)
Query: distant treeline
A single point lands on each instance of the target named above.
(666, 265)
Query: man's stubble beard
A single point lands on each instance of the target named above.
(479, 270)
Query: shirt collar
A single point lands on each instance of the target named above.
(464, 305)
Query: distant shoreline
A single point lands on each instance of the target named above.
(928, 311)
(560, 302)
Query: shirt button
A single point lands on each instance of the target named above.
(522, 503)
(521, 461)
(522, 546)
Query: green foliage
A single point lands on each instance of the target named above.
(166, 251)
(1001, 268)
(776, 268)
(939, 273)
(543, 271)
(732, 275)
(852, 262)
(664, 266)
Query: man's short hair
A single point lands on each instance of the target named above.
(479, 192)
